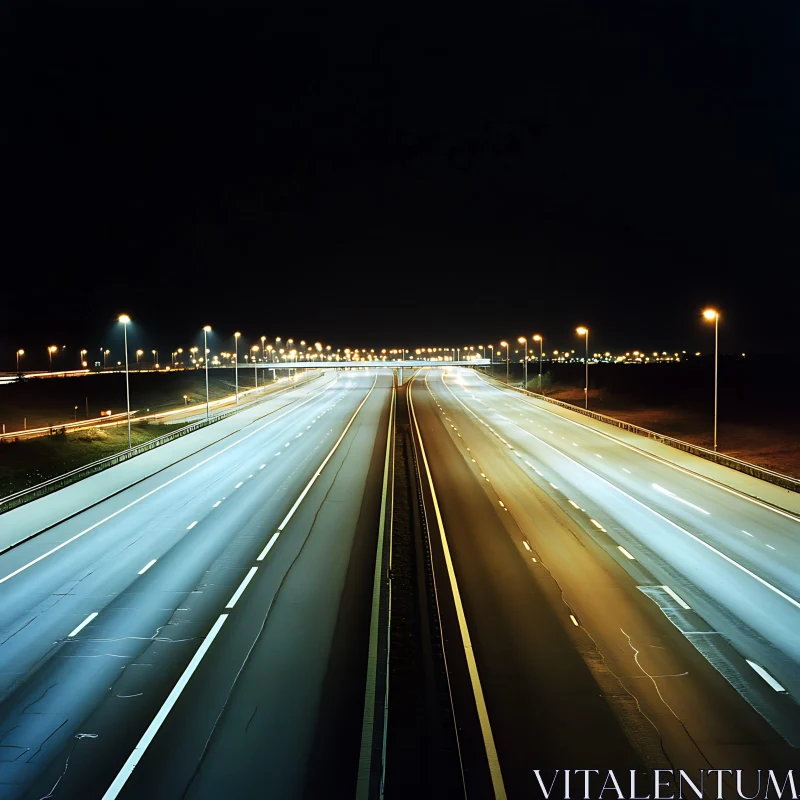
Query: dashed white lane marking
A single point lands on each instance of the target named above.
(278, 453)
(627, 470)
(150, 734)
(598, 525)
(299, 435)
(83, 624)
(575, 444)
(238, 484)
(574, 621)
(598, 455)
(668, 493)
(682, 603)
(553, 485)
(147, 566)
(287, 444)
(216, 504)
(189, 527)
(250, 476)
(242, 586)
(262, 466)
(526, 546)
(744, 531)
(766, 676)
(574, 504)
(272, 540)
(625, 552)
(770, 547)
(153, 491)
(483, 474)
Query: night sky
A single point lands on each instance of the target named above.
(422, 176)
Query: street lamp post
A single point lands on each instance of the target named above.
(254, 350)
(50, 350)
(155, 358)
(206, 331)
(491, 359)
(236, 363)
(125, 319)
(538, 338)
(83, 358)
(505, 344)
(20, 352)
(711, 313)
(583, 331)
(524, 340)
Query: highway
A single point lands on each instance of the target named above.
(204, 631)
(601, 607)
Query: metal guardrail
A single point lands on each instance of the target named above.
(54, 484)
(764, 474)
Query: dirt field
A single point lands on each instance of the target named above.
(775, 446)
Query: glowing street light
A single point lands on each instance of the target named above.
(138, 354)
(83, 357)
(524, 340)
(236, 337)
(709, 314)
(206, 331)
(538, 338)
(505, 344)
(582, 331)
(20, 353)
(254, 350)
(125, 319)
(50, 350)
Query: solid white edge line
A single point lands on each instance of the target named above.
(766, 676)
(242, 586)
(365, 764)
(147, 566)
(660, 459)
(480, 702)
(625, 552)
(138, 752)
(669, 522)
(272, 540)
(682, 603)
(83, 624)
(316, 475)
(162, 486)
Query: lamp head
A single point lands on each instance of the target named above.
(207, 329)
(710, 313)
(522, 340)
(124, 319)
(581, 331)
(537, 338)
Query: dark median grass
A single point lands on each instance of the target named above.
(28, 462)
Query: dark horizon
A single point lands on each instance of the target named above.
(345, 176)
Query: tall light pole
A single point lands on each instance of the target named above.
(505, 344)
(83, 358)
(711, 313)
(206, 331)
(537, 338)
(50, 350)
(254, 350)
(524, 340)
(20, 352)
(583, 331)
(236, 363)
(138, 353)
(491, 359)
(155, 358)
(125, 319)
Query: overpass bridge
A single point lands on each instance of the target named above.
(376, 364)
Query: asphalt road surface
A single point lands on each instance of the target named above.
(600, 607)
(204, 632)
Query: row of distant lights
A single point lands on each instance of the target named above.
(325, 353)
